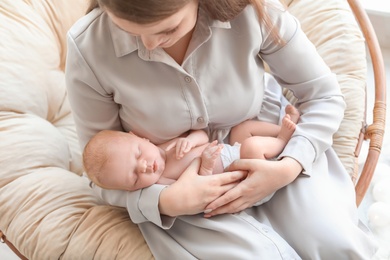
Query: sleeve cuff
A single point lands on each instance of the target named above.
(146, 201)
(142, 205)
(300, 149)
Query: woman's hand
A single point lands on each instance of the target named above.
(264, 178)
(191, 193)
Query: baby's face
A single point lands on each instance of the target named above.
(134, 164)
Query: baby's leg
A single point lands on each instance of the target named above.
(261, 147)
(267, 147)
(251, 128)
(209, 156)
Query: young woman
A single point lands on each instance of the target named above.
(161, 68)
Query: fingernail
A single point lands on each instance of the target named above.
(207, 211)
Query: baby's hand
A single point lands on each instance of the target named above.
(212, 151)
(183, 146)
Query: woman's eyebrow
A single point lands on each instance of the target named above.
(158, 33)
(168, 30)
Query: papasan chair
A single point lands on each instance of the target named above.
(47, 210)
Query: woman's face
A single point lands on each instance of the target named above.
(164, 33)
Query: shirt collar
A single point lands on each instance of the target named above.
(125, 43)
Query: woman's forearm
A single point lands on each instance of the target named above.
(166, 205)
(172, 200)
(292, 169)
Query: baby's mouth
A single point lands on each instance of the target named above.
(155, 166)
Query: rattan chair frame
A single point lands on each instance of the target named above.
(374, 132)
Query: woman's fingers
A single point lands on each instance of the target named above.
(241, 164)
(227, 202)
(264, 178)
(191, 193)
(244, 194)
(233, 207)
(230, 177)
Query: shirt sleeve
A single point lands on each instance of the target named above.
(141, 205)
(297, 66)
(94, 110)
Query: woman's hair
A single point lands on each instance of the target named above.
(149, 11)
(140, 11)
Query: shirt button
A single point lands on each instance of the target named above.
(187, 79)
(200, 120)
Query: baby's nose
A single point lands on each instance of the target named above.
(142, 166)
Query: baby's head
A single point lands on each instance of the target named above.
(122, 161)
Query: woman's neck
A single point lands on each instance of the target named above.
(179, 49)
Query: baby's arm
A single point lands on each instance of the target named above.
(209, 157)
(185, 144)
(198, 137)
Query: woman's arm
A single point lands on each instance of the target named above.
(94, 110)
(298, 67)
(92, 106)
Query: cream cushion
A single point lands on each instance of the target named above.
(47, 210)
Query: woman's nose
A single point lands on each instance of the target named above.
(151, 42)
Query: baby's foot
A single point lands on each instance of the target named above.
(287, 123)
(287, 129)
(293, 112)
(209, 157)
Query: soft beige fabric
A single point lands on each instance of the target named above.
(47, 210)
